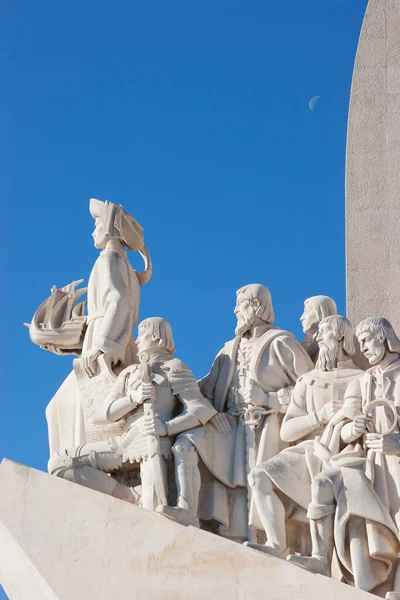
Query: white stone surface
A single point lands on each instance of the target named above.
(250, 385)
(316, 308)
(148, 405)
(62, 541)
(373, 169)
(317, 397)
(355, 500)
(113, 297)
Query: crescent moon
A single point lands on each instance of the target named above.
(313, 102)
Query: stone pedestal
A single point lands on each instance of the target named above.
(62, 541)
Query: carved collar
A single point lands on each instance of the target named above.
(345, 364)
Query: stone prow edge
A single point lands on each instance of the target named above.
(51, 527)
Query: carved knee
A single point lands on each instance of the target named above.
(259, 481)
(322, 489)
(184, 451)
(323, 500)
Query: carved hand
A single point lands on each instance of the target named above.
(328, 410)
(221, 423)
(359, 425)
(138, 396)
(386, 443)
(89, 361)
(253, 394)
(154, 426)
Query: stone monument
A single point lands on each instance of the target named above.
(283, 456)
(373, 169)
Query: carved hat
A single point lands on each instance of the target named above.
(118, 223)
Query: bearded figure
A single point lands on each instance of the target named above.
(282, 485)
(316, 308)
(355, 501)
(250, 385)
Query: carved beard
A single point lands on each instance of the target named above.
(244, 322)
(327, 357)
(378, 356)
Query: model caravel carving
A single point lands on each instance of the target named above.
(59, 324)
(289, 448)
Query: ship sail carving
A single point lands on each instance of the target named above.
(59, 323)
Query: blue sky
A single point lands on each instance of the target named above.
(195, 117)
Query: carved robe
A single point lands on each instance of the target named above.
(366, 484)
(293, 469)
(113, 304)
(274, 363)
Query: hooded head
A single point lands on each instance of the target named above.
(316, 308)
(112, 221)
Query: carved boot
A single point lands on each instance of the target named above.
(322, 545)
(267, 549)
(188, 484)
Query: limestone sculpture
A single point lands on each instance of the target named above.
(316, 308)
(282, 484)
(355, 506)
(250, 385)
(157, 400)
(113, 296)
(249, 448)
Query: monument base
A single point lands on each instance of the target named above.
(61, 541)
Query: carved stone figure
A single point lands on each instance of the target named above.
(157, 400)
(282, 484)
(113, 296)
(316, 308)
(113, 288)
(356, 500)
(250, 385)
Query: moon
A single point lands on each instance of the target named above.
(313, 102)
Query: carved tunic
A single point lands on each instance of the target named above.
(293, 469)
(113, 306)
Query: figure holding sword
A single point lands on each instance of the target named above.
(158, 399)
(250, 386)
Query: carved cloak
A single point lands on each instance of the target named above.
(113, 305)
(276, 362)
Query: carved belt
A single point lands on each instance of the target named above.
(252, 415)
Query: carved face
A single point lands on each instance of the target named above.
(245, 312)
(309, 318)
(100, 236)
(326, 334)
(146, 340)
(372, 346)
(328, 348)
